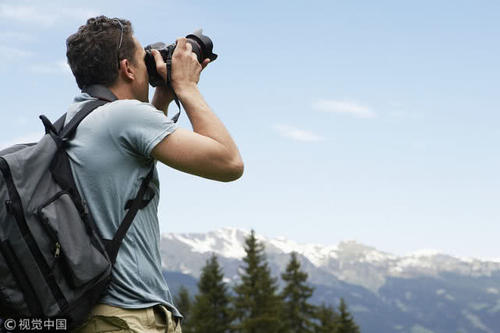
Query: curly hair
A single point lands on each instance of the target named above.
(93, 53)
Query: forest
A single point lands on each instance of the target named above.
(256, 303)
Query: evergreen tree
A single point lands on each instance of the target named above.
(211, 309)
(326, 319)
(256, 305)
(345, 322)
(183, 302)
(297, 313)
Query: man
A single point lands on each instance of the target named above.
(116, 146)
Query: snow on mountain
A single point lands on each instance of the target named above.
(348, 261)
(424, 291)
(226, 242)
(229, 243)
(316, 254)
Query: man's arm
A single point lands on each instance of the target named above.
(207, 151)
(162, 98)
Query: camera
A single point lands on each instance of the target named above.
(202, 47)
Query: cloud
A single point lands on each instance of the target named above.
(13, 54)
(297, 134)
(58, 67)
(42, 14)
(15, 36)
(352, 108)
(8, 53)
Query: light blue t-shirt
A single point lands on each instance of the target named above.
(110, 155)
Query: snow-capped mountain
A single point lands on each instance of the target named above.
(348, 261)
(423, 292)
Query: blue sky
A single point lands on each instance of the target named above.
(357, 120)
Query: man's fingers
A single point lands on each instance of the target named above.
(158, 57)
(185, 66)
(161, 66)
(181, 43)
(205, 63)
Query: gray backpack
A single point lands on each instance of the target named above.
(53, 260)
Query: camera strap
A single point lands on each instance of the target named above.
(169, 81)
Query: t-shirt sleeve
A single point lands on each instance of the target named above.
(141, 127)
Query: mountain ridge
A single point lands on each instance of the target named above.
(417, 253)
(427, 291)
(349, 261)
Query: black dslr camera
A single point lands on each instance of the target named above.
(202, 47)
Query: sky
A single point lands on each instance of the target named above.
(373, 121)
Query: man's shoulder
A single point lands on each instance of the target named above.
(126, 113)
(131, 109)
(131, 123)
(130, 105)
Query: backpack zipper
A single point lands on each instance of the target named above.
(57, 249)
(16, 209)
(51, 233)
(48, 228)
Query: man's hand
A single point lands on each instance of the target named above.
(185, 73)
(185, 66)
(161, 66)
(163, 94)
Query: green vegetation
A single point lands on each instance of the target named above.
(210, 311)
(297, 313)
(257, 306)
(345, 323)
(327, 319)
(183, 302)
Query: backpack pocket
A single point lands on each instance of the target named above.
(72, 248)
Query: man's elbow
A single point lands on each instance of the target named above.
(234, 170)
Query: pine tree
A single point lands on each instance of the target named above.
(345, 322)
(211, 311)
(327, 319)
(183, 302)
(257, 305)
(297, 313)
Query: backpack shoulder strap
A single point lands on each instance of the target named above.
(68, 131)
(97, 91)
(59, 124)
(112, 246)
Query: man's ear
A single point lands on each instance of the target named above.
(126, 71)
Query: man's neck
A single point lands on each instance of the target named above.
(101, 92)
(121, 92)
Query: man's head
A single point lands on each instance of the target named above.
(100, 49)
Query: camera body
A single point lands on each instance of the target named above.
(202, 47)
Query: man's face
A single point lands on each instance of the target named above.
(141, 82)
